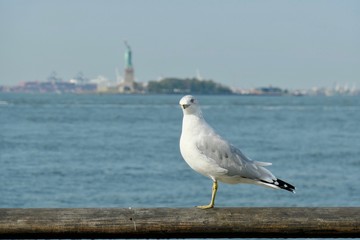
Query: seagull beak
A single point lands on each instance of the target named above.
(184, 106)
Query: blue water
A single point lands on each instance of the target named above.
(122, 150)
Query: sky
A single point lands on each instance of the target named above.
(239, 43)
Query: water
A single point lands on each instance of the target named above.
(122, 150)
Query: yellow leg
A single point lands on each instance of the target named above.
(213, 195)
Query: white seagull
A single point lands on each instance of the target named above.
(209, 154)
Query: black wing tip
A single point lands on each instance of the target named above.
(286, 186)
(282, 185)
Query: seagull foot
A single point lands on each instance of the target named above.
(206, 206)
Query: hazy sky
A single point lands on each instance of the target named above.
(241, 43)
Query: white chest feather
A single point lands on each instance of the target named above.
(196, 159)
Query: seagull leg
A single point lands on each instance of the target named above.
(213, 195)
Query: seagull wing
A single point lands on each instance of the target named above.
(228, 157)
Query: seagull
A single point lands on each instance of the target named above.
(209, 154)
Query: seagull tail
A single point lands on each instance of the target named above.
(280, 184)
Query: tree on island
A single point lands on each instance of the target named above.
(187, 85)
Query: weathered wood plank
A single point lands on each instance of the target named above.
(180, 223)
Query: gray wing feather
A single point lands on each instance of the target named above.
(232, 159)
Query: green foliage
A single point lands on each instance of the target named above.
(188, 85)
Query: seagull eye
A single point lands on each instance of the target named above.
(192, 100)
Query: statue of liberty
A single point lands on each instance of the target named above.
(128, 56)
(128, 83)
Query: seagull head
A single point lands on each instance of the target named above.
(189, 105)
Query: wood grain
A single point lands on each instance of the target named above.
(179, 223)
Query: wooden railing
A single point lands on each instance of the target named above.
(180, 223)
